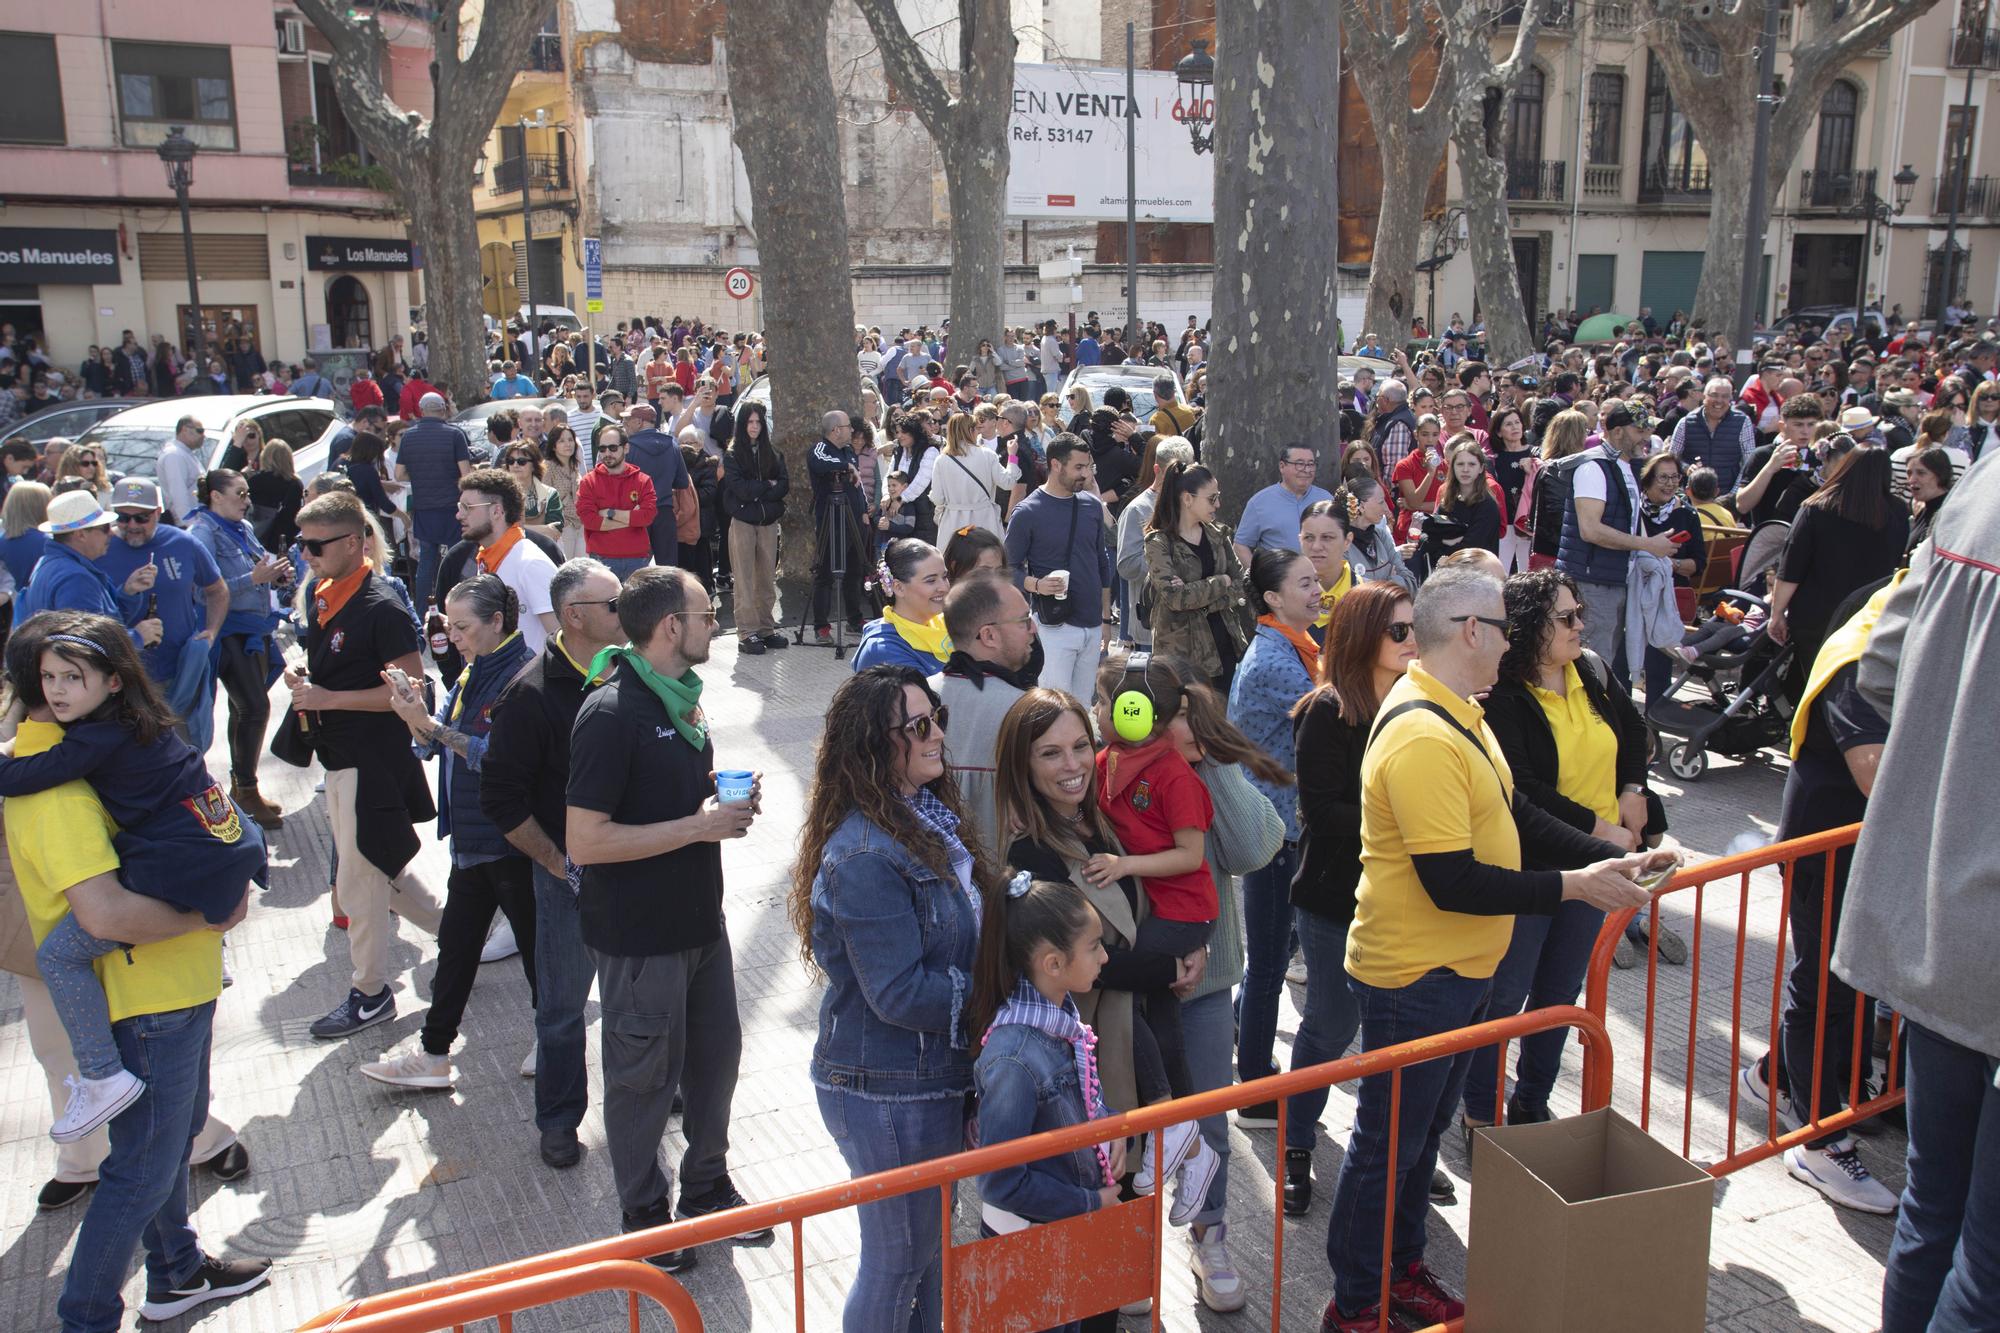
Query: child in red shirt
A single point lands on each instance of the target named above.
(1161, 813)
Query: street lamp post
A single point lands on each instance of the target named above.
(177, 152)
(1195, 72)
(1873, 208)
(538, 121)
(1444, 245)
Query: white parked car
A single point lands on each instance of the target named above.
(1136, 380)
(132, 439)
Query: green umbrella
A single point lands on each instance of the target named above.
(1602, 329)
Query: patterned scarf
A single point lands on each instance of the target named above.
(936, 816)
(1029, 1008)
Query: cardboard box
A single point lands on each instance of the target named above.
(1586, 1225)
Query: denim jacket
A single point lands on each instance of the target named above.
(1027, 1083)
(897, 944)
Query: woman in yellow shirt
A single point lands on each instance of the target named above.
(1323, 540)
(1578, 749)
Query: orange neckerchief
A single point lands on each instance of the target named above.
(1308, 650)
(491, 556)
(329, 595)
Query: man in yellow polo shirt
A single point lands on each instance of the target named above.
(162, 1009)
(1441, 882)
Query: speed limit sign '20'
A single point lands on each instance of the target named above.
(739, 283)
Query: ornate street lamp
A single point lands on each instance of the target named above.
(177, 151)
(1872, 208)
(1195, 72)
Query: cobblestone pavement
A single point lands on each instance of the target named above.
(356, 1188)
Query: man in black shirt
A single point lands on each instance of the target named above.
(1779, 474)
(375, 788)
(646, 824)
(523, 791)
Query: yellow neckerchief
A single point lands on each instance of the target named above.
(1330, 597)
(926, 636)
(581, 669)
(458, 696)
(491, 556)
(1843, 646)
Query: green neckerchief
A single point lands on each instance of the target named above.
(682, 697)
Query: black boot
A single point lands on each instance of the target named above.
(1298, 1181)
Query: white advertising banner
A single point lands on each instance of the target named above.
(1067, 136)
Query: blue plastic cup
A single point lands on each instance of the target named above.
(733, 785)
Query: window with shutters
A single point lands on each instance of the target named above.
(1607, 117)
(34, 89)
(162, 85)
(216, 255)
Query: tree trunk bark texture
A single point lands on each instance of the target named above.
(467, 94)
(1277, 147)
(1384, 46)
(969, 128)
(791, 153)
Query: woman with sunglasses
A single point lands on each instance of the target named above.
(87, 461)
(1578, 750)
(244, 650)
(541, 509)
(885, 899)
(1370, 644)
(1983, 420)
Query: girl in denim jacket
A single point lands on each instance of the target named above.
(1037, 1065)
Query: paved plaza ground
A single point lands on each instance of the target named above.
(356, 1188)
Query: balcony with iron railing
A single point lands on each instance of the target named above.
(542, 171)
(1537, 182)
(1614, 17)
(1974, 48)
(1979, 203)
(1679, 183)
(544, 54)
(1557, 15)
(1834, 190)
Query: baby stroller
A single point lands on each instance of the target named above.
(1742, 671)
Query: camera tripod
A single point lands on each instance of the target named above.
(831, 563)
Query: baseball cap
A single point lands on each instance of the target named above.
(135, 493)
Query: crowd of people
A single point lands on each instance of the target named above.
(1108, 770)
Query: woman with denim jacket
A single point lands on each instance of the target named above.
(885, 899)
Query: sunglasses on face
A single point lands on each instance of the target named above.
(920, 728)
(608, 603)
(1506, 627)
(318, 545)
(1399, 631)
(135, 520)
(1569, 619)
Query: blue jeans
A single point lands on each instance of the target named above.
(1331, 1019)
(429, 556)
(1208, 1029)
(65, 958)
(1267, 944)
(1544, 965)
(563, 973)
(625, 566)
(1944, 1263)
(142, 1187)
(900, 1281)
(1434, 1003)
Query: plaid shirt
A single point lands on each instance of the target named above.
(1029, 1008)
(938, 818)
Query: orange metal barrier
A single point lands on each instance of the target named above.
(1017, 1276)
(1784, 856)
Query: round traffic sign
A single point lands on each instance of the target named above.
(739, 282)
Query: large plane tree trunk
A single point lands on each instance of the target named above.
(791, 153)
(1277, 154)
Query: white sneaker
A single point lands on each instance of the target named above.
(1191, 1183)
(1181, 1141)
(528, 1065)
(1208, 1256)
(1296, 974)
(418, 1069)
(1144, 1305)
(1758, 1095)
(499, 942)
(1836, 1171)
(93, 1102)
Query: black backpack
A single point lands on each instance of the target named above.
(1553, 485)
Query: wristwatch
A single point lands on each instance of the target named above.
(1631, 789)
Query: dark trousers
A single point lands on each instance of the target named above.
(699, 560)
(1544, 965)
(1159, 1049)
(471, 896)
(1436, 1002)
(245, 675)
(1944, 1262)
(564, 972)
(1805, 1004)
(669, 1022)
(838, 524)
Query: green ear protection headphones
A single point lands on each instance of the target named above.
(1132, 706)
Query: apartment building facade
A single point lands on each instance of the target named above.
(297, 244)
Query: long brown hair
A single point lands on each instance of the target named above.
(854, 772)
(1017, 806)
(1857, 489)
(1208, 719)
(1353, 646)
